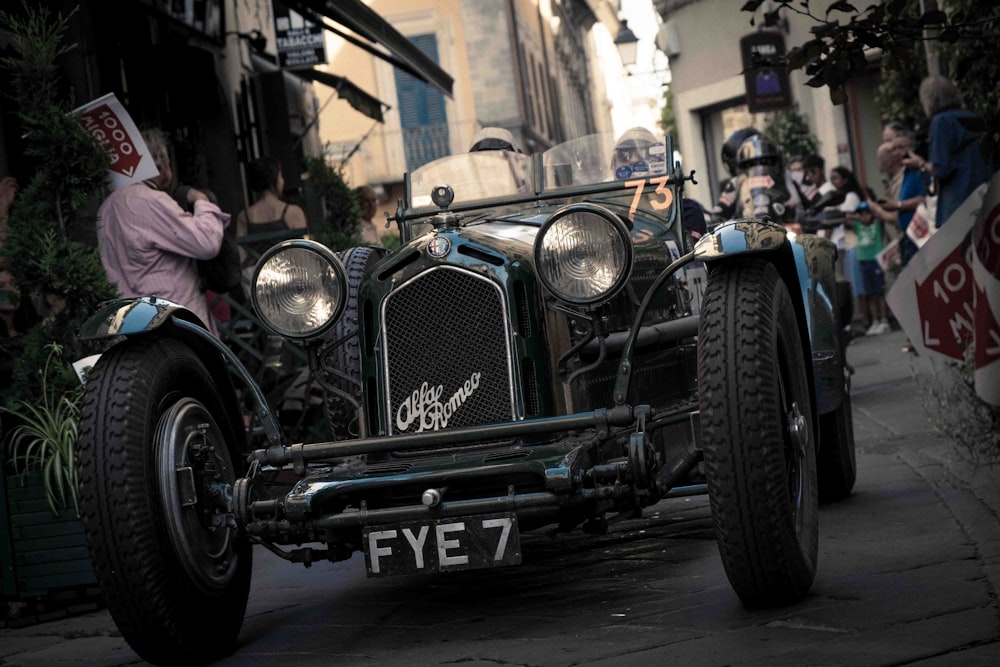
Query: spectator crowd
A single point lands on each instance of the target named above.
(924, 181)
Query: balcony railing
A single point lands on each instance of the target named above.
(387, 154)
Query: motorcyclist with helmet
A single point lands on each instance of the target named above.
(764, 188)
(730, 187)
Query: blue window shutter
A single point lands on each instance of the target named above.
(422, 112)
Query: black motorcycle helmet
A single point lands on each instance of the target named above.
(731, 148)
(759, 150)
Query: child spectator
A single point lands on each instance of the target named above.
(872, 289)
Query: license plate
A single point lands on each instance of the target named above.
(442, 545)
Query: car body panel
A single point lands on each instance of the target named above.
(483, 390)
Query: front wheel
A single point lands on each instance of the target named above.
(757, 423)
(156, 475)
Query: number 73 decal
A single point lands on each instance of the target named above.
(663, 196)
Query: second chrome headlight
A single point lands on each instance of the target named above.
(299, 288)
(583, 254)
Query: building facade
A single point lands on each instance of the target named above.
(702, 39)
(533, 67)
(208, 73)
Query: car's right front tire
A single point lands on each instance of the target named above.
(757, 427)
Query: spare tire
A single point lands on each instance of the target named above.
(340, 364)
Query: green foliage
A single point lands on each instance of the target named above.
(972, 55)
(37, 38)
(790, 130)
(341, 212)
(965, 31)
(668, 117)
(49, 245)
(896, 98)
(391, 242)
(971, 423)
(900, 78)
(45, 437)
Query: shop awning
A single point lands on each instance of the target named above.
(359, 18)
(347, 91)
(357, 98)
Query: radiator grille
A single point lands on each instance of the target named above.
(446, 352)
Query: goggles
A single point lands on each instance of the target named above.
(629, 154)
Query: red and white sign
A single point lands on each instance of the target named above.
(108, 122)
(921, 226)
(890, 257)
(948, 296)
(986, 271)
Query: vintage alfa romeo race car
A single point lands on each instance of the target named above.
(548, 348)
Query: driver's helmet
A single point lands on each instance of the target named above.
(731, 148)
(759, 150)
(493, 139)
(633, 153)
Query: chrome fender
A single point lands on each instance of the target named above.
(127, 317)
(141, 315)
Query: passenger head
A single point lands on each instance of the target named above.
(631, 151)
(493, 139)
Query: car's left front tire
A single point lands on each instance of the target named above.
(757, 426)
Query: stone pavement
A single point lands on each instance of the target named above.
(969, 488)
(882, 367)
(896, 431)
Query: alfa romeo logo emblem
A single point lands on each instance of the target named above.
(439, 246)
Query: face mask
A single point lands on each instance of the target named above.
(797, 175)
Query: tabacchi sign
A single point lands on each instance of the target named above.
(299, 42)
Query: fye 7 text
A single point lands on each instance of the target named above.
(466, 543)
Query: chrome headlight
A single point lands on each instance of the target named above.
(299, 288)
(583, 254)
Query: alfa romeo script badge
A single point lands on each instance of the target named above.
(439, 246)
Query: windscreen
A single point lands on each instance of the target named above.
(600, 158)
(473, 176)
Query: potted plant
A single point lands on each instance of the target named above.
(51, 253)
(44, 441)
(45, 541)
